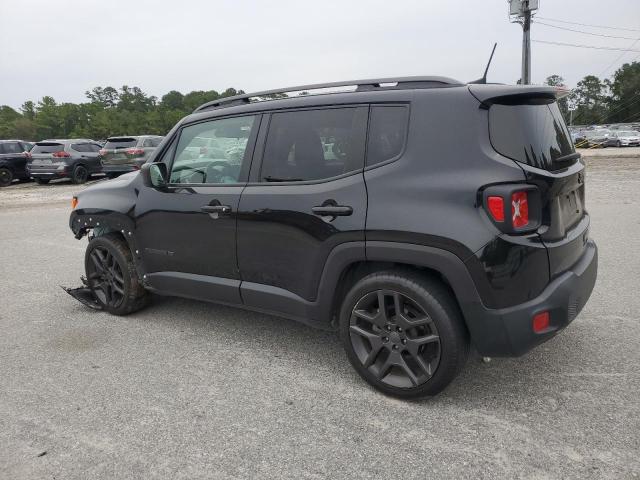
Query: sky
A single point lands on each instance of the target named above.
(62, 48)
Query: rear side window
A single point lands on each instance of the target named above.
(314, 144)
(387, 133)
(81, 147)
(47, 148)
(534, 134)
(151, 142)
(10, 147)
(115, 143)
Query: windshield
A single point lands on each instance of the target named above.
(114, 143)
(532, 133)
(47, 148)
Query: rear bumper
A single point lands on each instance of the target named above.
(47, 173)
(509, 331)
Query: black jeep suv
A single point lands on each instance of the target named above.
(13, 161)
(414, 215)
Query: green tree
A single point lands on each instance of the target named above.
(590, 96)
(624, 103)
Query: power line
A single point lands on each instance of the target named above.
(617, 59)
(582, 31)
(588, 25)
(587, 46)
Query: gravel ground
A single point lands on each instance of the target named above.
(187, 390)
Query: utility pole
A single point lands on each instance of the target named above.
(520, 11)
(526, 43)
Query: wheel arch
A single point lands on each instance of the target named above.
(434, 262)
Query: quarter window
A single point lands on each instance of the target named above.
(314, 144)
(387, 133)
(212, 152)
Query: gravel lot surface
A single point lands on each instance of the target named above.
(187, 390)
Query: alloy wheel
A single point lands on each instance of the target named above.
(394, 338)
(105, 277)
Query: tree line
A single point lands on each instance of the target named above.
(108, 112)
(603, 101)
(130, 111)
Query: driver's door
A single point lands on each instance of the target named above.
(187, 231)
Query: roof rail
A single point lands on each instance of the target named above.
(361, 85)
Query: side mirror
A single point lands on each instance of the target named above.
(154, 175)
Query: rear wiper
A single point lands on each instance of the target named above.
(566, 158)
(282, 179)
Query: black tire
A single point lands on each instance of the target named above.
(42, 181)
(80, 174)
(6, 177)
(112, 275)
(386, 364)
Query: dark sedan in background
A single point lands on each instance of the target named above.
(13, 161)
(126, 154)
(76, 159)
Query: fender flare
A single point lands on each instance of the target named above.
(449, 265)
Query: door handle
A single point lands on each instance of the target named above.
(332, 210)
(221, 209)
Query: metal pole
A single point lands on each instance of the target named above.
(526, 44)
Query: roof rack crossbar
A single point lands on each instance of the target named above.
(360, 85)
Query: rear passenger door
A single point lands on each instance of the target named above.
(89, 156)
(305, 197)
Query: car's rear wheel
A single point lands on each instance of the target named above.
(42, 181)
(80, 174)
(112, 276)
(6, 177)
(403, 333)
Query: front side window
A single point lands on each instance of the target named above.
(387, 133)
(212, 152)
(314, 144)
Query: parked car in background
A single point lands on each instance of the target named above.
(13, 161)
(624, 138)
(597, 138)
(126, 154)
(77, 159)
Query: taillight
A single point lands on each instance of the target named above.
(27, 155)
(513, 208)
(519, 209)
(134, 151)
(61, 155)
(495, 205)
(74, 203)
(102, 152)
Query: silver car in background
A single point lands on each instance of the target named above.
(624, 138)
(127, 154)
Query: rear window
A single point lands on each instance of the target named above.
(534, 133)
(114, 143)
(47, 148)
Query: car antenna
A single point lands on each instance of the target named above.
(484, 77)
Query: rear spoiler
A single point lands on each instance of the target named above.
(514, 94)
